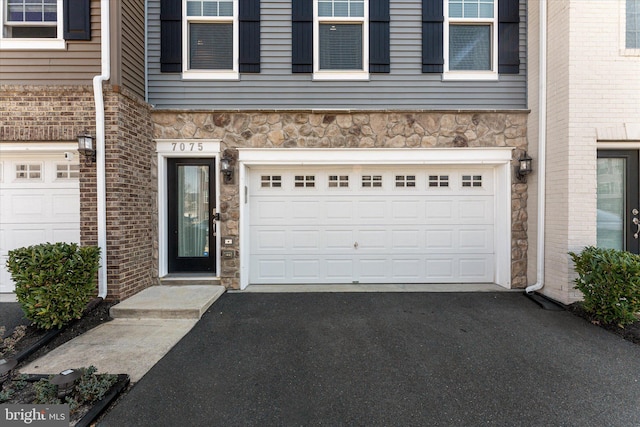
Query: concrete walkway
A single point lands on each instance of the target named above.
(145, 327)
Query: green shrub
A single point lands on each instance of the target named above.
(610, 282)
(54, 281)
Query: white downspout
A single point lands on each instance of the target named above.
(105, 55)
(542, 147)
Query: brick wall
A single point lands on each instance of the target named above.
(131, 195)
(59, 114)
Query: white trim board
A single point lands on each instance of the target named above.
(500, 157)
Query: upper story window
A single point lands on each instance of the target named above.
(471, 39)
(341, 39)
(211, 39)
(43, 24)
(32, 24)
(632, 34)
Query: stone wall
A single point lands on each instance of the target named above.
(354, 130)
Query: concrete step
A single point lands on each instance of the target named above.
(189, 279)
(168, 302)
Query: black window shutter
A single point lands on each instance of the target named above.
(171, 36)
(432, 38)
(379, 61)
(302, 36)
(508, 36)
(249, 29)
(77, 19)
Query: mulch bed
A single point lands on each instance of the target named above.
(630, 332)
(31, 347)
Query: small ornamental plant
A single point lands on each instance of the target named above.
(54, 281)
(609, 280)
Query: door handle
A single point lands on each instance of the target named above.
(636, 221)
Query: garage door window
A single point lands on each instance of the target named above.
(369, 181)
(67, 171)
(271, 181)
(436, 181)
(305, 181)
(406, 181)
(472, 180)
(338, 181)
(29, 171)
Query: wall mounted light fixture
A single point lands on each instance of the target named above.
(85, 146)
(227, 169)
(525, 167)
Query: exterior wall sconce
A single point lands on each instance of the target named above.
(65, 381)
(85, 146)
(525, 167)
(226, 169)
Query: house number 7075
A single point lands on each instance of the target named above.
(187, 146)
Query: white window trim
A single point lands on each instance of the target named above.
(340, 74)
(58, 43)
(188, 74)
(471, 75)
(624, 50)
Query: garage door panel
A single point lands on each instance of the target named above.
(407, 269)
(306, 240)
(392, 233)
(339, 239)
(269, 240)
(68, 205)
(305, 269)
(339, 270)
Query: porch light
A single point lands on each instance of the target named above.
(85, 146)
(226, 169)
(65, 381)
(525, 167)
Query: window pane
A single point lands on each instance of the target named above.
(470, 47)
(194, 8)
(633, 24)
(471, 9)
(211, 46)
(341, 47)
(226, 8)
(341, 8)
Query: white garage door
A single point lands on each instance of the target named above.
(39, 202)
(408, 224)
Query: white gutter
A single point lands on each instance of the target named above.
(105, 55)
(542, 147)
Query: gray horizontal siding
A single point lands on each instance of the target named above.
(275, 87)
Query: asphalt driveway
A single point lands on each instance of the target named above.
(388, 359)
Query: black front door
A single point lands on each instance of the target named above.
(619, 200)
(191, 204)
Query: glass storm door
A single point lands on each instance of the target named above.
(191, 204)
(618, 200)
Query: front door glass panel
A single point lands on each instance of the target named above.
(611, 203)
(193, 211)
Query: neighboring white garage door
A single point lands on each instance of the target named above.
(39, 202)
(378, 224)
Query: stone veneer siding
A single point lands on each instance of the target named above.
(59, 114)
(354, 130)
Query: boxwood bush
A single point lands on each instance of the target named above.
(54, 281)
(609, 279)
